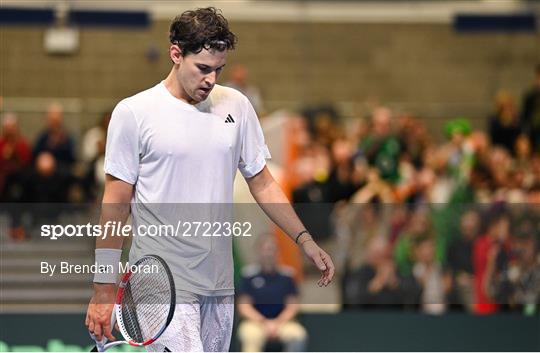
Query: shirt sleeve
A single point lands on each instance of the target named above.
(122, 149)
(254, 151)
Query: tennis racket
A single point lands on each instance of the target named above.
(144, 306)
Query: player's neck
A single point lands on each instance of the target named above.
(175, 88)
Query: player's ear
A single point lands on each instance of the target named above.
(175, 53)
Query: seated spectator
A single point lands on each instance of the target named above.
(490, 257)
(419, 226)
(15, 157)
(377, 284)
(268, 304)
(518, 286)
(503, 125)
(46, 182)
(55, 139)
(460, 261)
(522, 151)
(41, 186)
(429, 274)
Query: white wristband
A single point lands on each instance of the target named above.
(107, 261)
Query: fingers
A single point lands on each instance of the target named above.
(91, 327)
(327, 274)
(324, 263)
(98, 322)
(98, 331)
(331, 268)
(108, 332)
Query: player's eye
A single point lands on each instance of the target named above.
(204, 69)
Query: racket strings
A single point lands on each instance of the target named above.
(147, 301)
(129, 316)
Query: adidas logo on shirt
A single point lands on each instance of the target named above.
(229, 119)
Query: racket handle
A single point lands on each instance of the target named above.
(100, 345)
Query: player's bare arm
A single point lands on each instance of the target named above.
(277, 207)
(116, 207)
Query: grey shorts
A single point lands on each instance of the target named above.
(200, 324)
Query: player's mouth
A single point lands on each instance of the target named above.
(206, 90)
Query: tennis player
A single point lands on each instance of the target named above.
(181, 142)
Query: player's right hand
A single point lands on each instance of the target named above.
(98, 315)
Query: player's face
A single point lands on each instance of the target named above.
(198, 73)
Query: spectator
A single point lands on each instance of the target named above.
(428, 273)
(93, 151)
(530, 114)
(363, 225)
(55, 139)
(490, 256)
(377, 284)
(518, 286)
(268, 303)
(504, 126)
(459, 155)
(500, 165)
(15, 156)
(414, 138)
(340, 181)
(239, 80)
(93, 144)
(419, 227)
(312, 197)
(46, 182)
(381, 148)
(460, 261)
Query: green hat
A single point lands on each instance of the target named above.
(459, 125)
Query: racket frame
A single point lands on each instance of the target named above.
(102, 346)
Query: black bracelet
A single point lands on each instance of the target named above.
(299, 234)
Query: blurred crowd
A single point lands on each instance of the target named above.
(411, 222)
(419, 224)
(48, 171)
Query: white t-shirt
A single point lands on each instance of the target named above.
(182, 160)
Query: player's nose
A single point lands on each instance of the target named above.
(210, 79)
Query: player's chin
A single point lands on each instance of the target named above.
(201, 95)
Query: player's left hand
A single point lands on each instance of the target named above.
(322, 260)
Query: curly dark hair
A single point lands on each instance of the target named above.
(203, 28)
